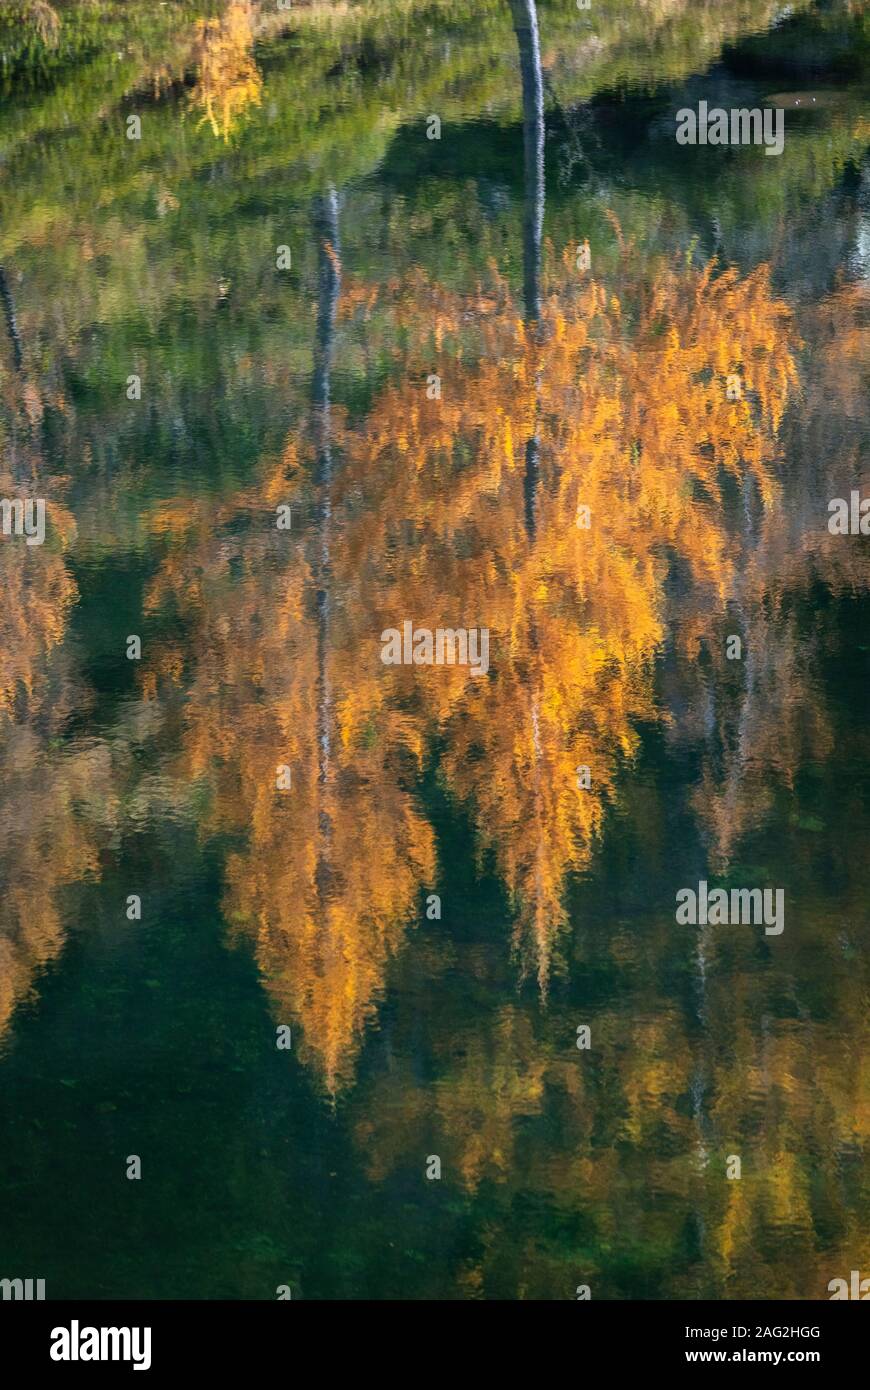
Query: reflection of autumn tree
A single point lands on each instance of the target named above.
(38, 591)
(51, 806)
(38, 587)
(333, 867)
(796, 1104)
(633, 422)
(425, 519)
(335, 863)
(782, 1088)
(765, 720)
(228, 79)
(605, 1140)
(773, 1093)
(56, 800)
(49, 800)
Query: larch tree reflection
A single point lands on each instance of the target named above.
(228, 79)
(624, 398)
(334, 864)
(656, 447)
(635, 427)
(760, 1070)
(56, 801)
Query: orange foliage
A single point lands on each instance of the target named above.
(425, 520)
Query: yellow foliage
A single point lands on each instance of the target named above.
(228, 79)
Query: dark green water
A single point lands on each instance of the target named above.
(621, 466)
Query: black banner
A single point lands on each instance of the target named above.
(226, 1338)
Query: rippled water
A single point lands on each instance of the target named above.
(397, 319)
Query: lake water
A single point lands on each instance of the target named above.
(317, 324)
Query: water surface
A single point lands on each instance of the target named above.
(486, 380)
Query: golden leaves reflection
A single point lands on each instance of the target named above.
(425, 518)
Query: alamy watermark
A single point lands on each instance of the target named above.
(76, 1343)
(23, 1289)
(740, 126)
(856, 1287)
(850, 518)
(446, 646)
(741, 907)
(23, 517)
